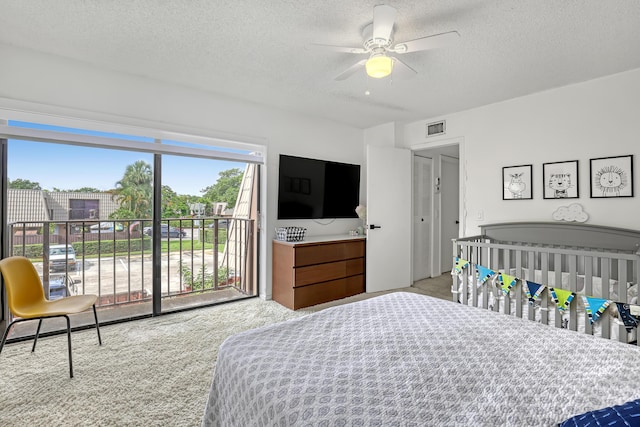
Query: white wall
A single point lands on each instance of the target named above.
(598, 118)
(56, 86)
(383, 135)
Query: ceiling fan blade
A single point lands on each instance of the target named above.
(402, 70)
(383, 18)
(338, 48)
(430, 42)
(351, 70)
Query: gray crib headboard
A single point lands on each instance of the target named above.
(565, 234)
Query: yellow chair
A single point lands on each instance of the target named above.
(25, 296)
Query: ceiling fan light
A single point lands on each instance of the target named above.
(379, 66)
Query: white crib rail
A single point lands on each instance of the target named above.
(564, 266)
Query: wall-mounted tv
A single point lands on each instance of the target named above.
(315, 189)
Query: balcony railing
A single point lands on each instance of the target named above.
(114, 259)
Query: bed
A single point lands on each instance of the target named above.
(406, 359)
(583, 259)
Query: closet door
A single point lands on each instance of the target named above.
(422, 221)
(449, 220)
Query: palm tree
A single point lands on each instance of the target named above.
(134, 191)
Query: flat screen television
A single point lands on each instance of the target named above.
(316, 189)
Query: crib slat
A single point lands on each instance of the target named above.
(505, 298)
(544, 268)
(474, 282)
(557, 263)
(588, 290)
(635, 274)
(604, 274)
(531, 314)
(495, 263)
(508, 298)
(573, 287)
(623, 294)
(457, 252)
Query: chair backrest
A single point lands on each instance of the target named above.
(22, 283)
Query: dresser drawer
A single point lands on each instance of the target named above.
(327, 271)
(328, 252)
(314, 272)
(319, 293)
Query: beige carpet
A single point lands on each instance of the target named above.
(439, 287)
(152, 372)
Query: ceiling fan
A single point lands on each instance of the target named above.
(378, 43)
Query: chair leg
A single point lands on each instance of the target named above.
(5, 335)
(37, 335)
(97, 325)
(69, 341)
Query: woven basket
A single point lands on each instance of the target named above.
(290, 234)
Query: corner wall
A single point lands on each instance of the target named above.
(55, 86)
(598, 118)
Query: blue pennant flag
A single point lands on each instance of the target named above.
(483, 274)
(595, 307)
(533, 290)
(630, 320)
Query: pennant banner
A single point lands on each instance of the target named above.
(562, 298)
(533, 290)
(483, 274)
(628, 315)
(595, 307)
(458, 265)
(507, 282)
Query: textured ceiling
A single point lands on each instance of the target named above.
(259, 50)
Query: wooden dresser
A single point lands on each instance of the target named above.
(318, 270)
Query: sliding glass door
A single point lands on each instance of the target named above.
(147, 225)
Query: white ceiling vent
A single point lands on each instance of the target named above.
(436, 128)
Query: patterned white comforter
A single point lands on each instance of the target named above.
(393, 361)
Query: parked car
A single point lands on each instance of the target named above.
(106, 226)
(165, 231)
(61, 285)
(222, 223)
(62, 257)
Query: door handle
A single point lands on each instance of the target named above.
(373, 226)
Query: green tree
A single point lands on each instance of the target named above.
(174, 205)
(225, 189)
(122, 213)
(134, 191)
(23, 184)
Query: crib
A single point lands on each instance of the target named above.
(586, 260)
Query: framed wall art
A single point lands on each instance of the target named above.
(611, 176)
(517, 182)
(560, 180)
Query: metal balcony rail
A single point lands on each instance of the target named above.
(114, 259)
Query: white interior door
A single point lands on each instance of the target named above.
(422, 223)
(388, 218)
(449, 218)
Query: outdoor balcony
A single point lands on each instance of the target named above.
(194, 262)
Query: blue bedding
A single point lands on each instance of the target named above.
(627, 414)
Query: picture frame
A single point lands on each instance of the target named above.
(517, 182)
(611, 176)
(560, 180)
